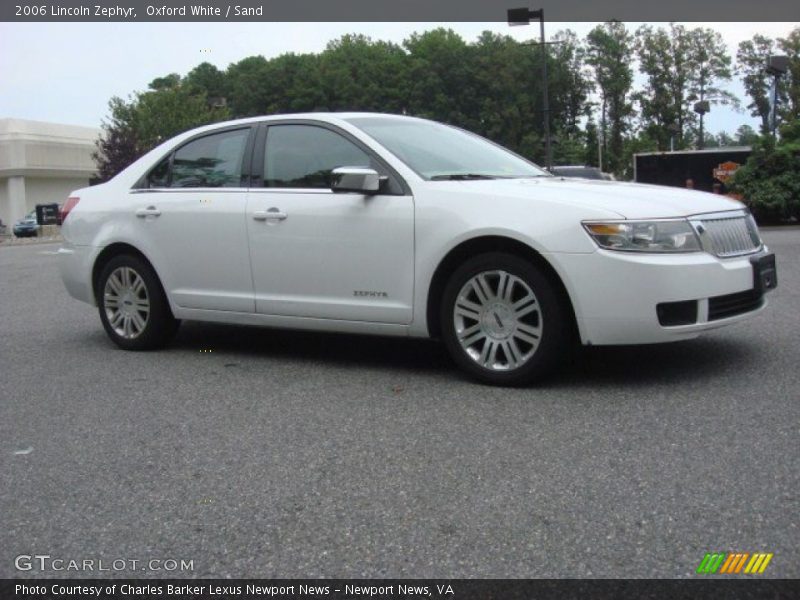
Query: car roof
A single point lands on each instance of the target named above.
(334, 117)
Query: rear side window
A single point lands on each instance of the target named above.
(210, 161)
(159, 176)
(304, 156)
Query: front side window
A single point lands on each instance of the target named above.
(210, 161)
(303, 156)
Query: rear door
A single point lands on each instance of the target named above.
(191, 219)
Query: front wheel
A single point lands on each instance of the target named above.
(132, 304)
(503, 320)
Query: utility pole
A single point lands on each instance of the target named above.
(776, 66)
(523, 16)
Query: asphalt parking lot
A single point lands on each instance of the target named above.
(260, 453)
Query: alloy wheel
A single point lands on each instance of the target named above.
(498, 320)
(126, 302)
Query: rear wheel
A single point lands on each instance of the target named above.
(503, 321)
(132, 304)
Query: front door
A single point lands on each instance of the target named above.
(326, 255)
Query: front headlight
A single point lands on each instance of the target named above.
(645, 236)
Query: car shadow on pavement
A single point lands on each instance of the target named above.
(332, 348)
(698, 359)
(600, 365)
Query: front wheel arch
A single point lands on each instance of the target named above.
(483, 245)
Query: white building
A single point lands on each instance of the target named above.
(41, 163)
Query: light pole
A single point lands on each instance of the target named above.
(776, 66)
(701, 108)
(523, 16)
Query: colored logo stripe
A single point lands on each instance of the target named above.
(733, 562)
(758, 563)
(711, 562)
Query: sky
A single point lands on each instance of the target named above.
(67, 72)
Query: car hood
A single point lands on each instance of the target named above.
(628, 200)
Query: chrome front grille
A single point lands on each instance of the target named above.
(729, 236)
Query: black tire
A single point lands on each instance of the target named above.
(159, 325)
(546, 310)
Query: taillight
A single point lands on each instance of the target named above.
(71, 203)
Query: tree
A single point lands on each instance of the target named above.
(724, 139)
(160, 115)
(590, 156)
(769, 181)
(167, 82)
(442, 78)
(610, 53)
(508, 108)
(151, 117)
(682, 66)
(746, 136)
(709, 67)
(663, 59)
(790, 46)
(207, 79)
(751, 59)
(117, 146)
(570, 83)
(248, 85)
(359, 74)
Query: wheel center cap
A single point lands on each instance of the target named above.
(127, 303)
(498, 320)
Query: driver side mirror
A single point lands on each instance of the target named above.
(356, 179)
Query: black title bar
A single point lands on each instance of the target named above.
(706, 588)
(395, 10)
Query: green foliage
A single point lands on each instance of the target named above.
(770, 180)
(118, 146)
(746, 136)
(492, 86)
(207, 79)
(751, 57)
(662, 59)
(681, 66)
(790, 46)
(151, 117)
(610, 54)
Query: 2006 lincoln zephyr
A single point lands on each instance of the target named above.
(383, 224)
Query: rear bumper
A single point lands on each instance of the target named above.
(616, 294)
(75, 264)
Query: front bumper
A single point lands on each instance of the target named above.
(616, 294)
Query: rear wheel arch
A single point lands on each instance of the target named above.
(482, 245)
(111, 251)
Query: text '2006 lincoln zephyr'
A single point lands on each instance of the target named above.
(393, 225)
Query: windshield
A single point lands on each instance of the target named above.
(436, 151)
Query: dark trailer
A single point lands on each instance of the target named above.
(704, 167)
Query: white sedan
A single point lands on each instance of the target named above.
(392, 225)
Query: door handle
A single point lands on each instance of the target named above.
(269, 215)
(150, 211)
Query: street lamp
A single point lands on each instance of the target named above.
(776, 66)
(523, 16)
(701, 108)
